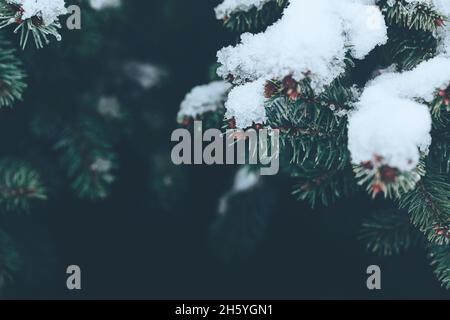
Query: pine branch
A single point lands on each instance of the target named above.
(386, 180)
(429, 206)
(415, 16)
(11, 14)
(440, 156)
(241, 223)
(323, 187)
(12, 75)
(88, 157)
(255, 20)
(440, 260)
(440, 110)
(169, 182)
(389, 232)
(10, 261)
(311, 129)
(408, 48)
(20, 185)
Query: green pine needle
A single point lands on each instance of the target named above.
(389, 232)
(429, 206)
(88, 157)
(20, 185)
(440, 260)
(418, 16)
(32, 27)
(254, 20)
(10, 261)
(12, 75)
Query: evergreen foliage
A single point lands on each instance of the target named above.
(313, 128)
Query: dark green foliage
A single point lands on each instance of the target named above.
(209, 120)
(440, 156)
(313, 133)
(440, 149)
(321, 186)
(440, 111)
(254, 20)
(20, 185)
(378, 180)
(429, 206)
(389, 232)
(10, 15)
(241, 223)
(407, 48)
(417, 16)
(12, 75)
(309, 128)
(440, 260)
(169, 182)
(411, 33)
(10, 261)
(88, 157)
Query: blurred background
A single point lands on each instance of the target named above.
(158, 234)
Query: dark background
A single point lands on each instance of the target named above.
(130, 247)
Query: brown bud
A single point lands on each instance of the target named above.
(388, 174)
(269, 89)
(232, 123)
(439, 22)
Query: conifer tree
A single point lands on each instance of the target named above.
(360, 93)
(69, 99)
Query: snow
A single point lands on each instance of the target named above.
(204, 98)
(109, 107)
(443, 35)
(48, 10)
(104, 4)
(101, 165)
(392, 121)
(244, 180)
(280, 51)
(147, 75)
(246, 104)
(443, 8)
(228, 7)
(319, 52)
(104, 168)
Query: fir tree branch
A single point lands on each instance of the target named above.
(10, 261)
(310, 129)
(255, 20)
(323, 187)
(88, 157)
(408, 48)
(440, 260)
(12, 75)
(11, 14)
(389, 232)
(416, 16)
(429, 206)
(19, 185)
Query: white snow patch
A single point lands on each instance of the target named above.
(246, 104)
(204, 98)
(48, 10)
(228, 7)
(105, 4)
(312, 37)
(391, 120)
